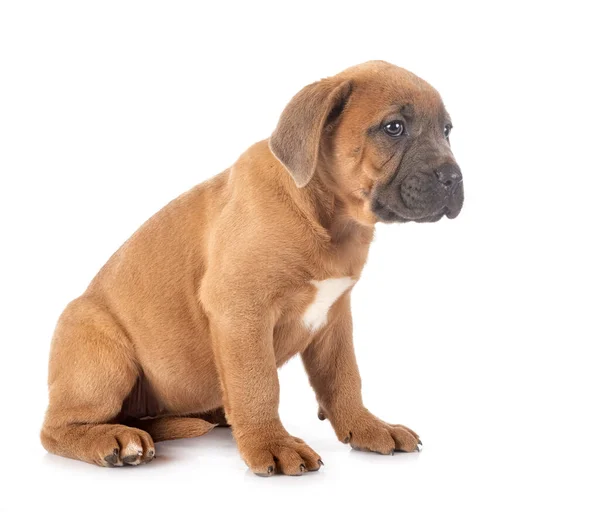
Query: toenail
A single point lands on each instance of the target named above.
(302, 468)
(270, 469)
(321, 463)
(112, 458)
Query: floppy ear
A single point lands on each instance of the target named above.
(296, 140)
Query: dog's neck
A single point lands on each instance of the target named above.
(329, 215)
(319, 203)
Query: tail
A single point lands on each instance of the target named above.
(173, 427)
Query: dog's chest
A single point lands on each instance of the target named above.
(326, 293)
(306, 313)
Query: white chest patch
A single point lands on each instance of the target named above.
(328, 291)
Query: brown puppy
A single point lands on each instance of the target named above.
(194, 313)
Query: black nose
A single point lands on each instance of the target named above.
(448, 175)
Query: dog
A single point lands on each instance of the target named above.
(184, 327)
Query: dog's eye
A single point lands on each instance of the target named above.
(447, 130)
(394, 129)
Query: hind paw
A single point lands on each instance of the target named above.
(123, 446)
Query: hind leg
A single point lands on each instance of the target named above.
(91, 371)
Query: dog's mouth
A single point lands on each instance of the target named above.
(387, 213)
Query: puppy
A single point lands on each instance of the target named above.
(186, 324)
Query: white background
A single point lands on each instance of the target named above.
(480, 333)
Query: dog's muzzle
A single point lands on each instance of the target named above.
(422, 196)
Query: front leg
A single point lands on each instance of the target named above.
(243, 346)
(331, 366)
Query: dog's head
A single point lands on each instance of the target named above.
(379, 136)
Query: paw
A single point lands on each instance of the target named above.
(120, 446)
(282, 454)
(372, 434)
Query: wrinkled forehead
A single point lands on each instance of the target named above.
(381, 92)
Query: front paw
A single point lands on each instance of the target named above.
(367, 432)
(266, 455)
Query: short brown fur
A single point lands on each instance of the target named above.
(195, 312)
